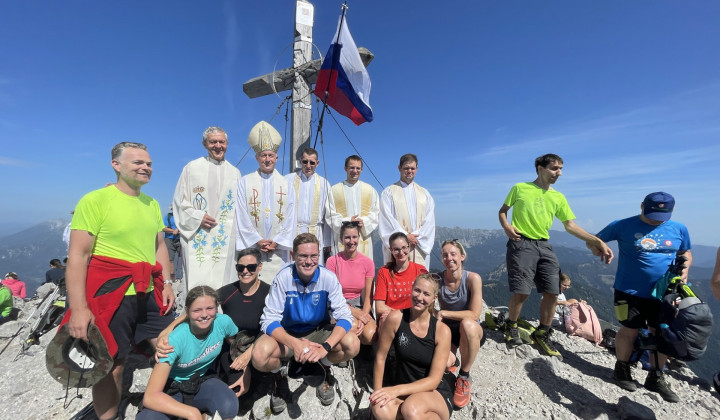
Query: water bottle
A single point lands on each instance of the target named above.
(668, 334)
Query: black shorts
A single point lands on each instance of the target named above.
(532, 261)
(454, 331)
(127, 330)
(636, 312)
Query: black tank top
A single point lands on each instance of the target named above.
(413, 354)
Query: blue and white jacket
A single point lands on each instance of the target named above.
(299, 308)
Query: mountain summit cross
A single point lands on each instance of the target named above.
(299, 78)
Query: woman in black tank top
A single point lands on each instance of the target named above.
(416, 383)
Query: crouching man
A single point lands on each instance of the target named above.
(297, 324)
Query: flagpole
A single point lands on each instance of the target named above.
(327, 87)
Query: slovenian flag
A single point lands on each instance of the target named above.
(343, 78)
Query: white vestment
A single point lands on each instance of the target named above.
(402, 210)
(207, 186)
(266, 211)
(311, 196)
(347, 200)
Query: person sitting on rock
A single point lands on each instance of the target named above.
(460, 298)
(355, 272)
(417, 385)
(297, 324)
(15, 285)
(562, 302)
(177, 386)
(395, 279)
(243, 301)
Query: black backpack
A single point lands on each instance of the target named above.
(689, 323)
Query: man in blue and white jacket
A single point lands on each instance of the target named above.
(297, 323)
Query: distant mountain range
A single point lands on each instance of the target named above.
(28, 253)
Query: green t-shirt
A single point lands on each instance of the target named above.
(125, 227)
(6, 301)
(534, 209)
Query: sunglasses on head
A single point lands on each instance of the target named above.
(311, 162)
(354, 223)
(250, 267)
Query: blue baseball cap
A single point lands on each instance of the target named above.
(658, 206)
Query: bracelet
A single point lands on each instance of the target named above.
(167, 281)
(326, 346)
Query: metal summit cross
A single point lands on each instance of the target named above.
(300, 77)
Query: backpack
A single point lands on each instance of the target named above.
(582, 321)
(686, 323)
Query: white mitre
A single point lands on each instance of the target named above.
(264, 137)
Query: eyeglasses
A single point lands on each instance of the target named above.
(250, 268)
(399, 250)
(353, 223)
(308, 162)
(304, 257)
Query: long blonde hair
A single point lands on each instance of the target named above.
(432, 278)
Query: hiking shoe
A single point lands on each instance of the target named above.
(542, 339)
(623, 377)
(512, 336)
(452, 369)
(462, 392)
(655, 382)
(326, 390)
(490, 321)
(280, 391)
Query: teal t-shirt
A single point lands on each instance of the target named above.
(197, 355)
(534, 208)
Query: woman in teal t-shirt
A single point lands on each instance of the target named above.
(178, 385)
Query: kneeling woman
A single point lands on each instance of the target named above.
(419, 386)
(177, 387)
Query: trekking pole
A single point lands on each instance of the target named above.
(44, 307)
(23, 325)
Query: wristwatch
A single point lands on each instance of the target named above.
(167, 281)
(326, 346)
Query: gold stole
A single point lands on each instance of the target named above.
(314, 211)
(401, 206)
(366, 197)
(253, 192)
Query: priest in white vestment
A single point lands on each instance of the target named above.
(354, 201)
(311, 196)
(204, 207)
(407, 207)
(266, 214)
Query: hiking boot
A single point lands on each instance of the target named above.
(512, 336)
(326, 390)
(542, 339)
(280, 391)
(462, 392)
(655, 382)
(623, 377)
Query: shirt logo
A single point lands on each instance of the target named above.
(315, 299)
(403, 340)
(648, 243)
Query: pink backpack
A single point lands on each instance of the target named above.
(583, 322)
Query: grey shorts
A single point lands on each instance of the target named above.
(318, 335)
(532, 261)
(173, 247)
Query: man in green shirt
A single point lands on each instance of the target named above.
(530, 258)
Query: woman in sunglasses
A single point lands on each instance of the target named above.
(394, 280)
(355, 272)
(243, 301)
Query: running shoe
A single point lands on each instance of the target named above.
(462, 392)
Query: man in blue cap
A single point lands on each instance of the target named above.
(648, 243)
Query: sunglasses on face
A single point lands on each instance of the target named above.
(310, 162)
(250, 268)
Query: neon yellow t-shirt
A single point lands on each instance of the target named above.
(125, 227)
(534, 209)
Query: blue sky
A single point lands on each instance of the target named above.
(628, 93)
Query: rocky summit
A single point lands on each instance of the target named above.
(514, 383)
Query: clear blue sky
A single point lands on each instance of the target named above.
(628, 93)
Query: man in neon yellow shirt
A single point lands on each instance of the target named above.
(530, 258)
(118, 230)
